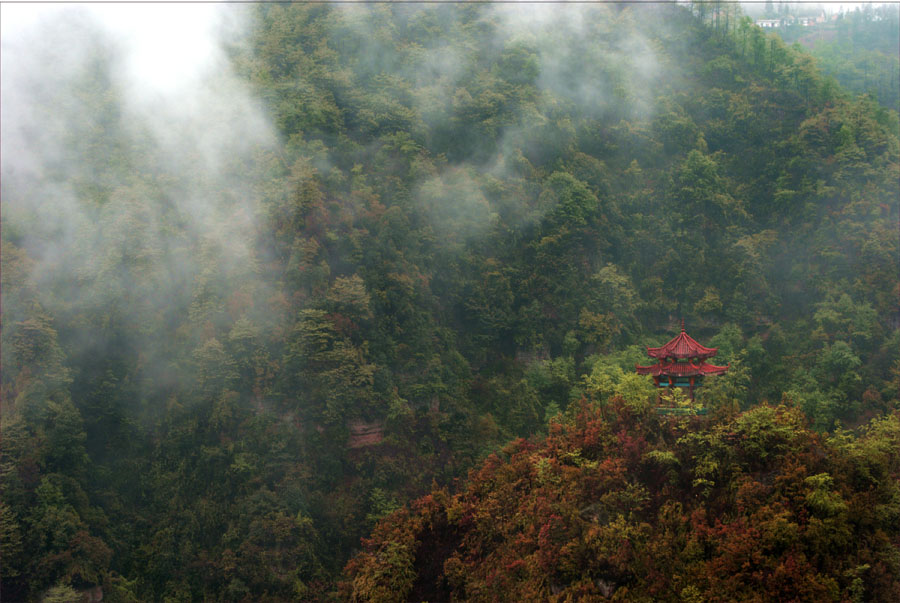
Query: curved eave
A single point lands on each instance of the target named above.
(680, 369)
(712, 369)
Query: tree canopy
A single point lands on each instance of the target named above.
(379, 242)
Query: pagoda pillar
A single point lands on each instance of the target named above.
(692, 388)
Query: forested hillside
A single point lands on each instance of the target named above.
(250, 312)
(749, 507)
(858, 48)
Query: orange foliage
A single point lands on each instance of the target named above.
(750, 507)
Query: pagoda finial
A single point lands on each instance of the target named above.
(682, 325)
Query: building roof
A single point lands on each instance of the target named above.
(680, 369)
(682, 346)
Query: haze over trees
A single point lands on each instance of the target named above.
(857, 47)
(328, 259)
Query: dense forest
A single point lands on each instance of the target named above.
(258, 312)
(859, 48)
(629, 507)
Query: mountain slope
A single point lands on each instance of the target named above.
(381, 241)
(641, 508)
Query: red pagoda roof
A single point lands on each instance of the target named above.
(682, 346)
(680, 369)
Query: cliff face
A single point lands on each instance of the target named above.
(654, 508)
(365, 434)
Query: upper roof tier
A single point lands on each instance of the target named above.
(682, 346)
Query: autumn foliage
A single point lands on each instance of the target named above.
(223, 366)
(754, 506)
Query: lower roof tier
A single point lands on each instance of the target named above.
(680, 369)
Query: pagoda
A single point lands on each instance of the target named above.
(681, 363)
